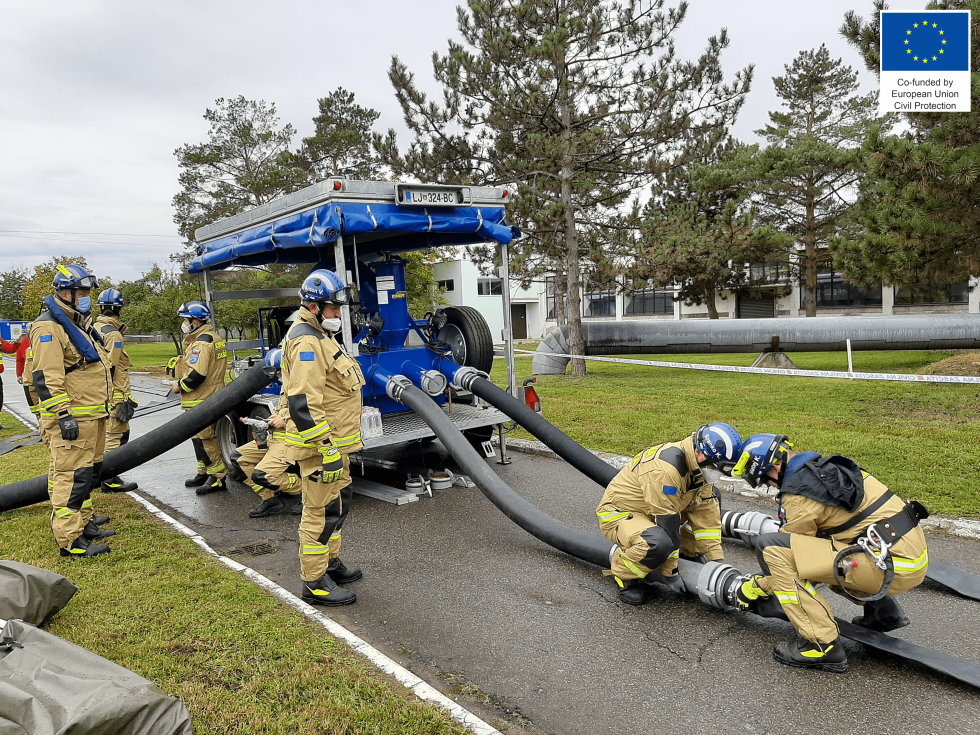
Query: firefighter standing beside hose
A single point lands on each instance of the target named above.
(200, 373)
(840, 526)
(322, 384)
(267, 471)
(110, 328)
(662, 505)
(73, 387)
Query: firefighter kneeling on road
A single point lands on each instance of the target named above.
(840, 526)
(267, 471)
(323, 385)
(73, 386)
(663, 505)
(200, 373)
(111, 328)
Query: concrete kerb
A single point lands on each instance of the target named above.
(961, 527)
(404, 677)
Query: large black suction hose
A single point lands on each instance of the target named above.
(160, 440)
(587, 546)
(568, 449)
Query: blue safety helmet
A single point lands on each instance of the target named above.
(760, 453)
(194, 310)
(111, 298)
(273, 358)
(73, 277)
(720, 443)
(324, 287)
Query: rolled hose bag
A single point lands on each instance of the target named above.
(160, 440)
(31, 594)
(568, 449)
(587, 546)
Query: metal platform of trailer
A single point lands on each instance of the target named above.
(400, 428)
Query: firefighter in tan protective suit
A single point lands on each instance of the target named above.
(111, 329)
(663, 505)
(263, 461)
(828, 505)
(200, 373)
(323, 385)
(72, 385)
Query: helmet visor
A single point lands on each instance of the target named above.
(340, 297)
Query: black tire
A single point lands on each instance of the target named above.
(468, 334)
(226, 432)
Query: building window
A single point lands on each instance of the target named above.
(549, 285)
(764, 273)
(649, 301)
(912, 295)
(448, 285)
(488, 286)
(833, 290)
(601, 302)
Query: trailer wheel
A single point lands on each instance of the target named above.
(468, 334)
(226, 432)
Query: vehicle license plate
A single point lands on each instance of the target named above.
(432, 197)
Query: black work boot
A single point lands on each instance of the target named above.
(213, 485)
(294, 503)
(82, 548)
(197, 480)
(803, 654)
(269, 507)
(118, 485)
(326, 592)
(882, 615)
(93, 533)
(634, 592)
(100, 520)
(341, 573)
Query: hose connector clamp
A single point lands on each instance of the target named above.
(464, 377)
(395, 385)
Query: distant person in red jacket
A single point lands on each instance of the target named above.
(20, 347)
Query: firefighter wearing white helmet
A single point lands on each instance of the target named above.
(200, 373)
(122, 404)
(663, 505)
(322, 383)
(73, 386)
(274, 478)
(840, 526)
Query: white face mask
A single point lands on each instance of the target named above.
(711, 476)
(331, 325)
(186, 328)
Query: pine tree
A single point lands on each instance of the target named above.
(578, 102)
(917, 221)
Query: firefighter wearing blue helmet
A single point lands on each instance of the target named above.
(274, 478)
(663, 505)
(200, 373)
(73, 386)
(110, 327)
(840, 526)
(322, 384)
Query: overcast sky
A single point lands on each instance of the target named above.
(95, 95)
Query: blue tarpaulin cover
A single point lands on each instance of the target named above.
(298, 237)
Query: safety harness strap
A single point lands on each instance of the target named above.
(851, 522)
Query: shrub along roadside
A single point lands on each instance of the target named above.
(919, 439)
(240, 660)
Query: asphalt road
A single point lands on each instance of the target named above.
(522, 633)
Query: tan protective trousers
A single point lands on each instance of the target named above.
(632, 558)
(71, 476)
(325, 508)
(208, 455)
(272, 466)
(114, 430)
(794, 572)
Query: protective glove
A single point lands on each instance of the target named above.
(172, 367)
(69, 427)
(125, 411)
(333, 464)
(749, 593)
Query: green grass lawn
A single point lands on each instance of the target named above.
(240, 660)
(919, 439)
(150, 354)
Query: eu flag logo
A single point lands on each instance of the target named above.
(925, 41)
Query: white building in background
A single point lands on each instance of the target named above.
(465, 286)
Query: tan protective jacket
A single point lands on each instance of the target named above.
(200, 371)
(28, 383)
(663, 480)
(111, 330)
(62, 382)
(322, 384)
(808, 517)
